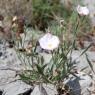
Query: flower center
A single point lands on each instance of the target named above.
(49, 45)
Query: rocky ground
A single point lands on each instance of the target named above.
(11, 66)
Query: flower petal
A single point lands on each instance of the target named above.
(82, 10)
(49, 41)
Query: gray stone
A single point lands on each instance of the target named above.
(10, 66)
(50, 89)
(15, 88)
(80, 85)
(44, 89)
(81, 61)
(36, 91)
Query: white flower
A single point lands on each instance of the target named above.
(82, 10)
(49, 42)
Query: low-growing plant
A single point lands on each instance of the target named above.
(59, 66)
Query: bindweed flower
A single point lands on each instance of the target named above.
(82, 10)
(49, 42)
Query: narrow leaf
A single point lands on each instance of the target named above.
(85, 50)
(91, 66)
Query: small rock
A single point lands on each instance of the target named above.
(44, 89)
(16, 88)
(81, 61)
(50, 89)
(28, 92)
(36, 91)
(80, 85)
